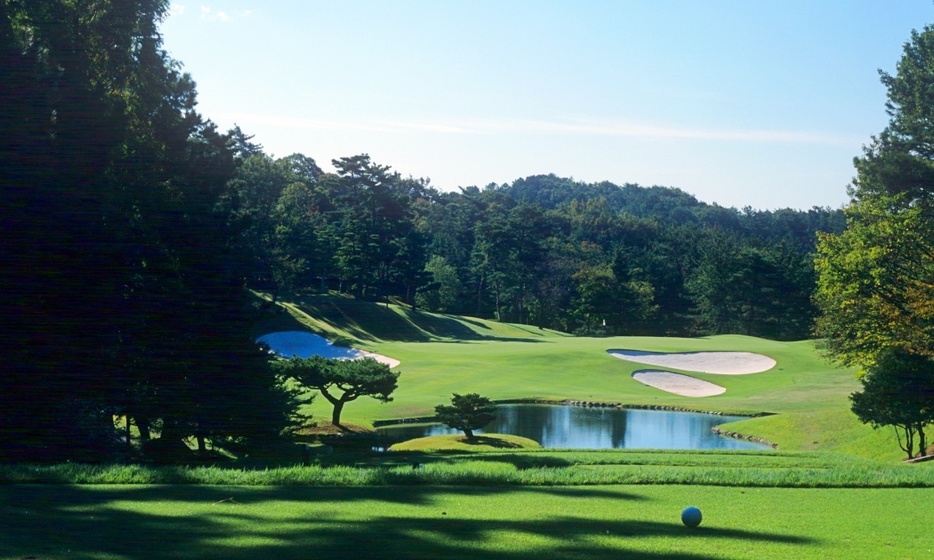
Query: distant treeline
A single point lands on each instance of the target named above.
(588, 258)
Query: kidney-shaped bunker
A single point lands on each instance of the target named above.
(724, 363)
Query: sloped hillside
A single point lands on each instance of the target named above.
(344, 318)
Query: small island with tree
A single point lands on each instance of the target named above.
(466, 413)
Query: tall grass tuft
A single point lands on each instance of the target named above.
(545, 468)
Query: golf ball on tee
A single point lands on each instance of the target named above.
(691, 516)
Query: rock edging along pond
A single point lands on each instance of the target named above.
(716, 429)
(736, 435)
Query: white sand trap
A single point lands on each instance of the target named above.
(304, 345)
(724, 363)
(677, 383)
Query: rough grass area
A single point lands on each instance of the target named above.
(478, 443)
(513, 468)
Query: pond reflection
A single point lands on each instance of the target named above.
(559, 426)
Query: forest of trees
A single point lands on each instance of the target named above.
(134, 229)
(594, 259)
(121, 294)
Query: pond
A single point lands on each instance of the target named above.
(560, 426)
(301, 344)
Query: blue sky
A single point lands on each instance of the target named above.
(741, 103)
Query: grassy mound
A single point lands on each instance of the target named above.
(478, 443)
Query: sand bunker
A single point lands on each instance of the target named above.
(304, 345)
(724, 363)
(677, 383)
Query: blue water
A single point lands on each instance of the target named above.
(303, 344)
(559, 426)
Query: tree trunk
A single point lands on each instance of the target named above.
(519, 308)
(922, 441)
(336, 413)
(480, 297)
(142, 424)
(907, 445)
(499, 314)
(751, 319)
(358, 291)
(468, 432)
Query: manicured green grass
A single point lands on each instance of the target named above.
(431, 522)
(458, 442)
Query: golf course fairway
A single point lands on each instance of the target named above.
(834, 488)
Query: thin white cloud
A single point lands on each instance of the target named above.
(298, 123)
(210, 14)
(176, 10)
(640, 130)
(569, 127)
(447, 128)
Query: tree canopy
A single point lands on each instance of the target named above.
(876, 279)
(341, 381)
(875, 284)
(466, 412)
(898, 391)
(119, 295)
(583, 258)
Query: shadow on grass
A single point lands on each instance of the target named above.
(475, 323)
(372, 322)
(368, 321)
(279, 322)
(488, 441)
(283, 523)
(520, 461)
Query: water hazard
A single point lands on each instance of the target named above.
(559, 426)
